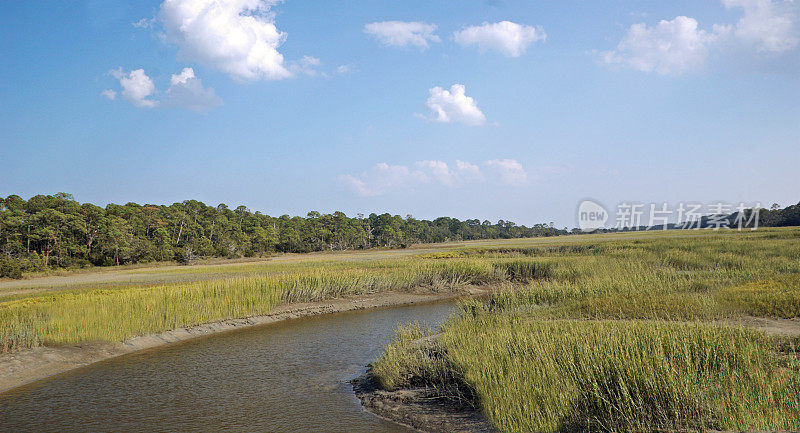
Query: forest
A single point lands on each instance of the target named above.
(56, 231)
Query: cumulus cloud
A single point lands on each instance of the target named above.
(137, 87)
(187, 91)
(768, 26)
(670, 47)
(238, 37)
(509, 171)
(509, 38)
(402, 33)
(679, 45)
(454, 106)
(384, 178)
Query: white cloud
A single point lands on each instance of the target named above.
(766, 25)
(439, 172)
(468, 171)
(357, 185)
(238, 37)
(110, 94)
(137, 87)
(187, 91)
(144, 23)
(509, 171)
(307, 65)
(344, 69)
(384, 178)
(454, 106)
(509, 38)
(402, 33)
(670, 47)
(679, 45)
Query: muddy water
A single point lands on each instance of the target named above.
(286, 377)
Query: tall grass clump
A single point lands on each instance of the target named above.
(776, 297)
(16, 332)
(628, 376)
(417, 358)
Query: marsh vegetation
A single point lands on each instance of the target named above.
(613, 332)
(637, 335)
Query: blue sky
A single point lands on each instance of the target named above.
(312, 105)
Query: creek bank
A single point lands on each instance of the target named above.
(26, 366)
(418, 408)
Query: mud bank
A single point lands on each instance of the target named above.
(417, 409)
(30, 365)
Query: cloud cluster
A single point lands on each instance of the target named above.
(670, 47)
(185, 90)
(384, 178)
(509, 38)
(679, 45)
(454, 106)
(137, 87)
(766, 25)
(403, 33)
(238, 37)
(509, 170)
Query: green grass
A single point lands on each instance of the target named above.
(615, 332)
(623, 335)
(624, 376)
(116, 314)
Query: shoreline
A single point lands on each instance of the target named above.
(417, 408)
(27, 366)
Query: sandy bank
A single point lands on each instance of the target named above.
(30, 365)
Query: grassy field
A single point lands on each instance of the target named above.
(621, 332)
(116, 304)
(621, 335)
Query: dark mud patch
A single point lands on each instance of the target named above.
(419, 408)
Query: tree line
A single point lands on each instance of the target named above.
(56, 231)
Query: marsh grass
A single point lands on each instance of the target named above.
(616, 337)
(776, 297)
(116, 314)
(631, 376)
(418, 359)
(602, 333)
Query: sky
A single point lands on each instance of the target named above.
(514, 110)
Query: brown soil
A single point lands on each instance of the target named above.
(772, 326)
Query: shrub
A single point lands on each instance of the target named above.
(10, 268)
